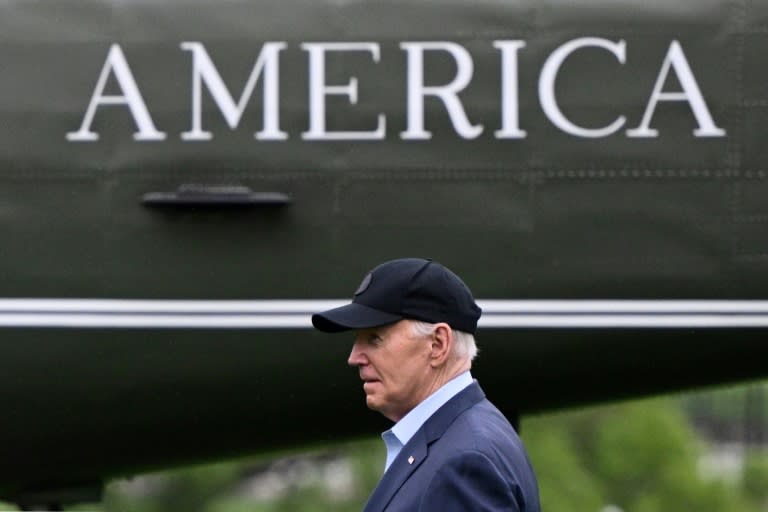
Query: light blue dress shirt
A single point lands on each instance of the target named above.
(402, 432)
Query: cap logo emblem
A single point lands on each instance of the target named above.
(364, 285)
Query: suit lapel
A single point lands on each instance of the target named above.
(418, 447)
(402, 467)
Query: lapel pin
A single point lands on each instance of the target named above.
(410, 459)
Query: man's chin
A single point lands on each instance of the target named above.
(371, 403)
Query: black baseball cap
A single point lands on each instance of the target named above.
(413, 288)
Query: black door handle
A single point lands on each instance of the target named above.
(192, 195)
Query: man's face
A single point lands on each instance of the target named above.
(394, 365)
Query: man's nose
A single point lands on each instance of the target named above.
(356, 356)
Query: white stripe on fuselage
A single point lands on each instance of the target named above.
(295, 314)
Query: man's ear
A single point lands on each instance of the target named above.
(442, 344)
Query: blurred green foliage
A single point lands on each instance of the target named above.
(756, 479)
(638, 457)
(728, 405)
(218, 488)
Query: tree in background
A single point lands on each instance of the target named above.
(756, 480)
(639, 457)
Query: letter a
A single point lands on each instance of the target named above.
(130, 96)
(691, 93)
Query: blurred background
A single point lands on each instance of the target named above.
(705, 451)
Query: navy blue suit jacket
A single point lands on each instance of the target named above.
(465, 458)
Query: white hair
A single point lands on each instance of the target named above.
(464, 346)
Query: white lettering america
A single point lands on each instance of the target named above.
(266, 69)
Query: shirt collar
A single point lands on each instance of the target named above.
(411, 422)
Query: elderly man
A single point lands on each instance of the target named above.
(450, 449)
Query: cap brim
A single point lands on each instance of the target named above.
(351, 317)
